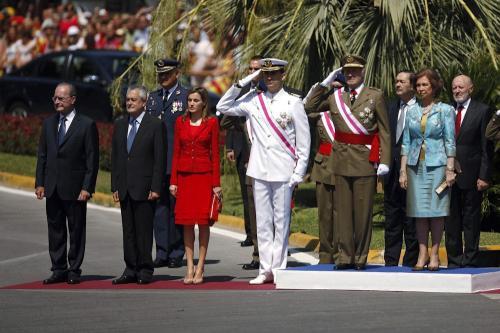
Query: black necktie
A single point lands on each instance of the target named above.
(62, 130)
(353, 96)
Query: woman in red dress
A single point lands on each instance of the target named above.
(195, 176)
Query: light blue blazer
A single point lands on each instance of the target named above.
(439, 136)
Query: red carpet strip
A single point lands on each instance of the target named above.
(168, 285)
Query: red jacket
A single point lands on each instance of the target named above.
(196, 154)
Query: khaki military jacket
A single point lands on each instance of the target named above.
(371, 111)
(493, 128)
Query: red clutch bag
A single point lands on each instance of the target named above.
(215, 208)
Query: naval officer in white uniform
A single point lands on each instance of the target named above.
(278, 158)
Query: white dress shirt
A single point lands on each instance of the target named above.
(139, 120)
(466, 106)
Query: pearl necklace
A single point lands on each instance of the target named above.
(427, 108)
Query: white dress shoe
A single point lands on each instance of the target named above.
(261, 279)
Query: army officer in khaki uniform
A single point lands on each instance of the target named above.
(361, 151)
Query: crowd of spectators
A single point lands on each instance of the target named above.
(25, 35)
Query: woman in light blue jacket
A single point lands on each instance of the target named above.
(428, 149)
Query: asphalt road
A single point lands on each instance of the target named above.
(24, 258)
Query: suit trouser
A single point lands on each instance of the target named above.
(397, 225)
(465, 214)
(253, 222)
(137, 224)
(240, 168)
(273, 223)
(354, 205)
(169, 237)
(75, 212)
(328, 249)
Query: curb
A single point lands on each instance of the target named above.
(488, 254)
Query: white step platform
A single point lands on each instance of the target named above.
(377, 277)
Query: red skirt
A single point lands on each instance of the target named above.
(194, 195)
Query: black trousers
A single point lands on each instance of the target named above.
(398, 225)
(242, 171)
(169, 237)
(465, 215)
(137, 223)
(58, 212)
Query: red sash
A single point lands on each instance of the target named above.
(362, 139)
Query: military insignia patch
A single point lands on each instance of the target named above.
(268, 63)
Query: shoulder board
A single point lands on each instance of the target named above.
(374, 89)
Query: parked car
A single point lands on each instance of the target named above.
(29, 89)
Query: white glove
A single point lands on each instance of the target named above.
(247, 79)
(309, 93)
(331, 77)
(382, 170)
(295, 180)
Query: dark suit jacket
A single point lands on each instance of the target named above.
(72, 166)
(392, 112)
(142, 170)
(168, 111)
(474, 151)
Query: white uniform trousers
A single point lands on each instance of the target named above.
(273, 208)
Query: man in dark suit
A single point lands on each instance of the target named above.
(397, 223)
(167, 103)
(138, 168)
(66, 172)
(474, 155)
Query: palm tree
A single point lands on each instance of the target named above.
(314, 34)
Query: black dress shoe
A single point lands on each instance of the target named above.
(175, 262)
(253, 265)
(340, 267)
(247, 242)
(75, 279)
(143, 281)
(56, 278)
(360, 267)
(124, 279)
(160, 263)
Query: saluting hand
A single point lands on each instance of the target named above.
(249, 78)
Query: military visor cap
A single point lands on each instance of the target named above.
(165, 65)
(352, 61)
(272, 64)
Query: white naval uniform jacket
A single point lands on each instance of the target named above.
(268, 159)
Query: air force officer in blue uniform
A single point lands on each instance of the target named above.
(167, 103)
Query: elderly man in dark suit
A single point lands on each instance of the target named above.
(167, 103)
(66, 172)
(138, 168)
(474, 154)
(397, 224)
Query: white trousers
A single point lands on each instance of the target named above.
(273, 207)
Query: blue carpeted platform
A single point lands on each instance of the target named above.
(396, 278)
(399, 269)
